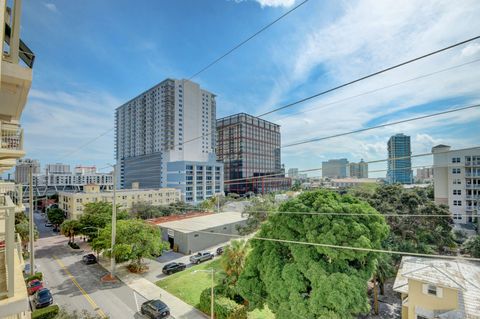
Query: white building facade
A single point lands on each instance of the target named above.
(173, 121)
(456, 176)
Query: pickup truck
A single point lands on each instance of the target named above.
(200, 257)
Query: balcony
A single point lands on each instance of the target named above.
(472, 196)
(16, 77)
(11, 144)
(470, 174)
(472, 163)
(13, 292)
(472, 186)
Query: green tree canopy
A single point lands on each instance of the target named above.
(56, 216)
(23, 229)
(258, 212)
(412, 234)
(96, 216)
(70, 228)
(233, 260)
(135, 240)
(314, 281)
(472, 247)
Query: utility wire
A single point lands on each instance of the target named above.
(381, 125)
(370, 75)
(377, 90)
(246, 40)
(286, 241)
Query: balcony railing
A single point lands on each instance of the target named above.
(469, 174)
(11, 137)
(473, 196)
(472, 186)
(472, 163)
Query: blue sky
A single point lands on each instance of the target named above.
(94, 55)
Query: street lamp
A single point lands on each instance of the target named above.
(114, 224)
(212, 271)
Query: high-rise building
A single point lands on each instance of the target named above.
(456, 176)
(293, 173)
(399, 160)
(57, 168)
(173, 122)
(335, 168)
(424, 174)
(22, 169)
(249, 148)
(359, 170)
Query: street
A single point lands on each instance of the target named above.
(77, 286)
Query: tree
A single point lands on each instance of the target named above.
(411, 234)
(70, 228)
(233, 260)
(314, 281)
(56, 216)
(96, 216)
(472, 247)
(135, 240)
(23, 229)
(258, 211)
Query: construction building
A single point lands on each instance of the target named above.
(249, 148)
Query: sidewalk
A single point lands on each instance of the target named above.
(148, 290)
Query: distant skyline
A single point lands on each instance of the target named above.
(92, 57)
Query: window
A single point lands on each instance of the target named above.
(457, 203)
(457, 192)
(455, 159)
(457, 181)
(432, 290)
(455, 170)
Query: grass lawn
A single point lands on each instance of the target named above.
(188, 286)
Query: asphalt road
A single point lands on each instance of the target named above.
(77, 286)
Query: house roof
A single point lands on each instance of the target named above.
(200, 223)
(460, 275)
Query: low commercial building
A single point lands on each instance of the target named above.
(438, 288)
(190, 235)
(351, 182)
(73, 203)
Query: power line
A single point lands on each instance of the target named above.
(378, 89)
(88, 142)
(286, 241)
(370, 75)
(380, 126)
(247, 39)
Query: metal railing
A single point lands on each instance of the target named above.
(472, 163)
(472, 186)
(469, 174)
(11, 136)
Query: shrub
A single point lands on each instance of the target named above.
(38, 275)
(46, 313)
(224, 307)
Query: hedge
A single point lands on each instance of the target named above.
(225, 308)
(38, 275)
(49, 312)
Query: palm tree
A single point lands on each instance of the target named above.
(70, 228)
(233, 260)
(383, 271)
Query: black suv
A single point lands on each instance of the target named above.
(155, 309)
(89, 259)
(173, 268)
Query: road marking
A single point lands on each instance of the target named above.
(84, 293)
(136, 301)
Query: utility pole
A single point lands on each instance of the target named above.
(31, 232)
(211, 296)
(114, 222)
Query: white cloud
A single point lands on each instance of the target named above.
(50, 6)
(272, 3)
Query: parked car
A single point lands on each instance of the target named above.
(173, 268)
(89, 259)
(201, 257)
(33, 286)
(155, 309)
(220, 251)
(42, 298)
(48, 224)
(26, 269)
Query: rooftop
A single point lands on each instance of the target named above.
(171, 218)
(189, 225)
(454, 274)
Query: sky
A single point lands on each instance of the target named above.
(92, 56)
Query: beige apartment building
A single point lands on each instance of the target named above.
(438, 288)
(73, 203)
(16, 61)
